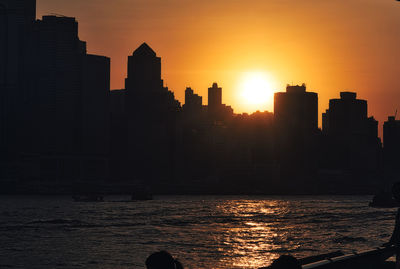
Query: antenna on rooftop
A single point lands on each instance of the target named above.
(395, 114)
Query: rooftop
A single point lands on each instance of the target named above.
(144, 50)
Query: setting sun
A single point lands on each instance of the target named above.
(256, 91)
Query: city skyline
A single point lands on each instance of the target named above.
(355, 56)
(60, 120)
(210, 145)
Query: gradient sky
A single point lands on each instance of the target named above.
(329, 45)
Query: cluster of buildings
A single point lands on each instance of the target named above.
(60, 124)
(54, 97)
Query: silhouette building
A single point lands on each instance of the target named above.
(148, 122)
(351, 137)
(95, 117)
(193, 111)
(217, 112)
(58, 81)
(296, 109)
(391, 147)
(296, 126)
(345, 115)
(193, 102)
(214, 98)
(144, 70)
(68, 104)
(16, 20)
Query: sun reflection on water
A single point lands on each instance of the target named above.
(251, 243)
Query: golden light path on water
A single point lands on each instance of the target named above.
(259, 251)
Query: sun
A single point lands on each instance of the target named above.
(256, 90)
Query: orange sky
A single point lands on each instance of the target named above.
(329, 45)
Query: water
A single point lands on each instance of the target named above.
(202, 231)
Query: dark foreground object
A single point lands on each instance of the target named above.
(384, 200)
(371, 259)
(162, 260)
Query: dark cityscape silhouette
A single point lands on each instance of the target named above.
(63, 130)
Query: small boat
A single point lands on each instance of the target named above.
(88, 198)
(141, 196)
(384, 200)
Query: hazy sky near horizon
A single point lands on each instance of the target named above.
(329, 45)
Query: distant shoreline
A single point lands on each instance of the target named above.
(4, 192)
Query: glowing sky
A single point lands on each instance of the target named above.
(329, 45)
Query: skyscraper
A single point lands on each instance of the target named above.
(296, 110)
(346, 115)
(146, 94)
(352, 136)
(69, 103)
(95, 105)
(214, 98)
(391, 147)
(296, 128)
(217, 112)
(149, 122)
(59, 85)
(16, 21)
(144, 70)
(193, 102)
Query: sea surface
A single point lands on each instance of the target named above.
(202, 231)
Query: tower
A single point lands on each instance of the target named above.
(144, 70)
(16, 21)
(296, 110)
(352, 142)
(149, 121)
(347, 115)
(296, 126)
(214, 98)
(58, 84)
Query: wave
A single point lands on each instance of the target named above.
(56, 221)
(349, 239)
(66, 224)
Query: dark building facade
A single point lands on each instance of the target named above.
(347, 115)
(68, 105)
(193, 102)
(218, 113)
(95, 118)
(296, 109)
(16, 20)
(144, 71)
(351, 138)
(296, 130)
(391, 147)
(148, 122)
(96, 105)
(193, 111)
(214, 99)
(58, 86)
